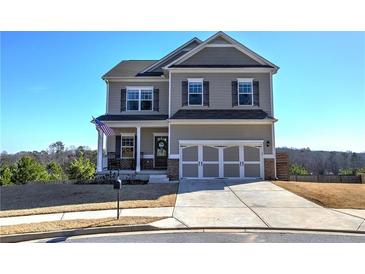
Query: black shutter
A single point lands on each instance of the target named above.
(206, 93)
(184, 93)
(256, 93)
(156, 99)
(118, 141)
(122, 99)
(234, 94)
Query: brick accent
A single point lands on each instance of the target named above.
(269, 168)
(282, 166)
(173, 169)
(146, 163)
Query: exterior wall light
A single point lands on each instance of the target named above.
(267, 143)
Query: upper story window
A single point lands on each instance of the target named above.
(195, 92)
(245, 92)
(139, 98)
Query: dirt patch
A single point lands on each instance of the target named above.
(39, 199)
(329, 194)
(74, 224)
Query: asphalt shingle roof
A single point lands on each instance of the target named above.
(221, 114)
(135, 117)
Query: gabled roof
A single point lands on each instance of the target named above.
(221, 36)
(133, 117)
(128, 68)
(180, 51)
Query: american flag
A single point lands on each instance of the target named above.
(103, 127)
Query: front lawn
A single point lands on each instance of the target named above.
(18, 200)
(74, 224)
(329, 194)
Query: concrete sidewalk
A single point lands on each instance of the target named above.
(96, 214)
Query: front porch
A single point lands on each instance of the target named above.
(133, 150)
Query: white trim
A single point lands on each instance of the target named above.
(269, 156)
(127, 134)
(139, 88)
(170, 73)
(133, 124)
(220, 70)
(100, 151)
(148, 156)
(196, 80)
(138, 150)
(107, 96)
(154, 65)
(222, 142)
(244, 80)
(169, 141)
(174, 156)
(238, 45)
(220, 122)
(273, 147)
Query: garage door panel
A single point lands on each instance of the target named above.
(211, 170)
(231, 170)
(251, 153)
(231, 153)
(190, 154)
(210, 153)
(190, 170)
(252, 170)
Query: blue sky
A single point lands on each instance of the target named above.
(51, 83)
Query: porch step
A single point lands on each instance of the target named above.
(158, 178)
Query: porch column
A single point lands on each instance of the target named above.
(99, 166)
(138, 150)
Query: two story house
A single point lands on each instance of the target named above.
(204, 110)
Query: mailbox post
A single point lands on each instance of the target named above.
(118, 187)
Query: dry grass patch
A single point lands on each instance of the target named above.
(54, 198)
(329, 194)
(74, 224)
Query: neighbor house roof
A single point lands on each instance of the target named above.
(129, 68)
(221, 114)
(134, 117)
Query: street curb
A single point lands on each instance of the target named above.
(140, 228)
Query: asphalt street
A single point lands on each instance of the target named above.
(214, 237)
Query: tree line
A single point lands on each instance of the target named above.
(56, 163)
(307, 162)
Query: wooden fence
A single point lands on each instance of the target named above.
(326, 178)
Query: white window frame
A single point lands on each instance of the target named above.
(195, 80)
(121, 144)
(139, 89)
(244, 80)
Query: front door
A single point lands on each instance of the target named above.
(161, 152)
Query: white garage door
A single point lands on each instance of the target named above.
(221, 160)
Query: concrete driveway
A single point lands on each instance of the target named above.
(229, 203)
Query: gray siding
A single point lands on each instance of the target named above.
(220, 90)
(220, 56)
(115, 92)
(219, 132)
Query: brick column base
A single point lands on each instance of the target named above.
(173, 169)
(269, 167)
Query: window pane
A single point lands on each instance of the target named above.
(127, 152)
(245, 99)
(127, 141)
(133, 95)
(195, 87)
(245, 87)
(146, 105)
(132, 105)
(195, 99)
(146, 94)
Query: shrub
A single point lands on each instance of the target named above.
(81, 168)
(5, 175)
(346, 171)
(28, 169)
(360, 170)
(55, 171)
(298, 170)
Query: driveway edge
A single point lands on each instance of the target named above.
(140, 228)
